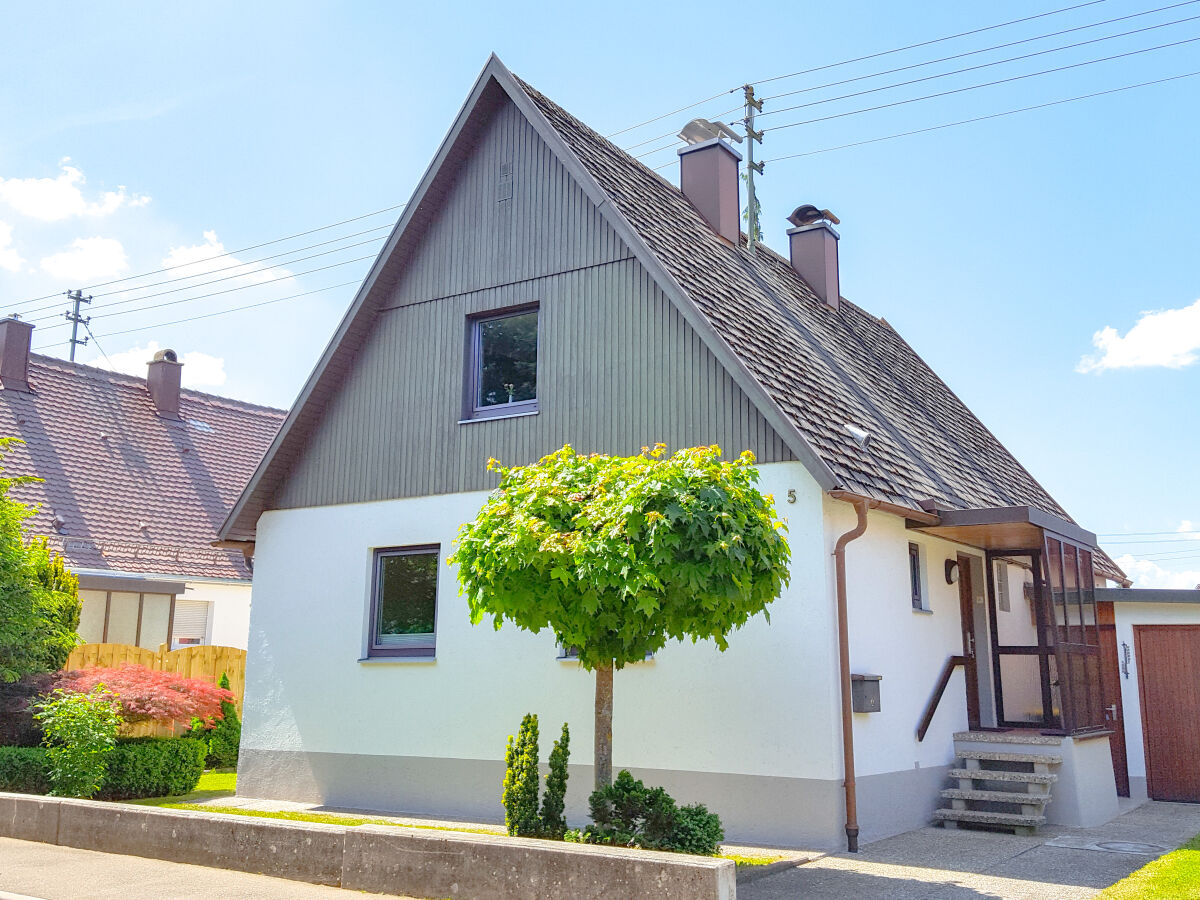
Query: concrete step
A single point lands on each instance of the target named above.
(1009, 737)
(1045, 759)
(1002, 775)
(1015, 797)
(988, 818)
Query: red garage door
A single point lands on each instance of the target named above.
(1168, 661)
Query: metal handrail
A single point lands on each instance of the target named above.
(943, 680)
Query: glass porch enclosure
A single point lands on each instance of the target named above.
(1045, 639)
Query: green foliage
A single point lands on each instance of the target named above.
(520, 795)
(39, 599)
(618, 555)
(554, 822)
(23, 770)
(629, 814)
(153, 767)
(80, 733)
(225, 738)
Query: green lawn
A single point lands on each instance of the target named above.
(213, 784)
(1175, 876)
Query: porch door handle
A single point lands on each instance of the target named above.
(970, 645)
(1112, 712)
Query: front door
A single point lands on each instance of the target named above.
(966, 605)
(1110, 695)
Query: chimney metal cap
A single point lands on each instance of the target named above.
(166, 356)
(698, 131)
(809, 215)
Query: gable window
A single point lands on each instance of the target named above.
(502, 364)
(404, 602)
(915, 582)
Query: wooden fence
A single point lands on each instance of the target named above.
(204, 662)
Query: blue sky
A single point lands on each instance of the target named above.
(1045, 264)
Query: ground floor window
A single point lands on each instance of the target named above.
(404, 602)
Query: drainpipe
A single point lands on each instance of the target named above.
(861, 505)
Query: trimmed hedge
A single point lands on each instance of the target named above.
(153, 767)
(23, 770)
(137, 767)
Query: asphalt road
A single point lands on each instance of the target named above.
(31, 871)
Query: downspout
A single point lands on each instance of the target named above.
(861, 505)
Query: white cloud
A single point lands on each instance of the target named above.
(199, 369)
(210, 256)
(1188, 529)
(9, 258)
(1164, 337)
(55, 199)
(87, 260)
(1146, 573)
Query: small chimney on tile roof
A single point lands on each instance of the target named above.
(162, 378)
(813, 246)
(14, 354)
(708, 176)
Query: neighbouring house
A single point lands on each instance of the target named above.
(542, 287)
(136, 477)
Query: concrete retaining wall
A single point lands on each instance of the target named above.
(381, 859)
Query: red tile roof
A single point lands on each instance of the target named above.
(135, 493)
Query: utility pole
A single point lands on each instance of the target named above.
(76, 297)
(752, 224)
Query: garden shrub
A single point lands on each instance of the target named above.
(520, 794)
(18, 727)
(553, 823)
(80, 732)
(23, 770)
(149, 695)
(153, 767)
(225, 737)
(629, 814)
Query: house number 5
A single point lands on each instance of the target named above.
(791, 495)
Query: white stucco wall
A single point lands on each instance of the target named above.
(767, 706)
(229, 613)
(1127, 615)
(907, 647)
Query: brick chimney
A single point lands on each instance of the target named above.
(14, 354)
(813, 246)
(708, 176)
(162, 378)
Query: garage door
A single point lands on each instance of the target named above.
(1169, 681)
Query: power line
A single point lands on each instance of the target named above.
(1009, 112)
(251, 262)
(671, 134)
(1177, 531)
(243, 287)
(226, 253)
(98, 347)
(234, 309)
(949, 37)
(988, 65)
(1181, 540)
(846, 62)
(1028, 40)
(974, 87)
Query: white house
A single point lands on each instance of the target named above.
(136, 476)
(542, 287)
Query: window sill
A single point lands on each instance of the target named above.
(922, 612)
(395, 660)
(511, 415)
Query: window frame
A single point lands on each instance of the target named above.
(473, 375)
(918, 584)
(374, 649)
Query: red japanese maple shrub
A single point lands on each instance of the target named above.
(147, 695)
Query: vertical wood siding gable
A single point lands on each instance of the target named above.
(618, 366)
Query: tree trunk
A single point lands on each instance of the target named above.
(604, 706)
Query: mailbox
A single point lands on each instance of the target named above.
(864, 693)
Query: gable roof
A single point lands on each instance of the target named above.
(810, 369)
(110, 465)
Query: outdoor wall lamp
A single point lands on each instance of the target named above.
(952, 571)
